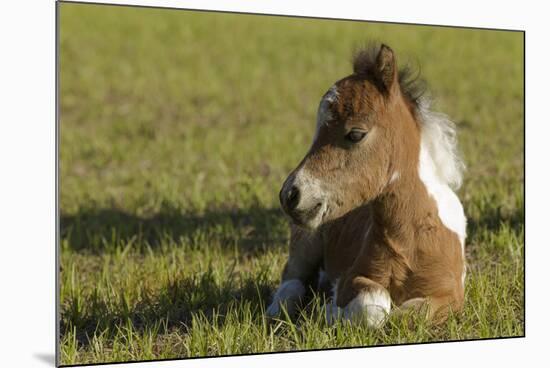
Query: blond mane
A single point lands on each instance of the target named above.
(438, 134)
(438, 131)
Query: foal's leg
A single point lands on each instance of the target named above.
(300, 271)
(434, 309)
(358, 298)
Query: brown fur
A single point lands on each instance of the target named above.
(377, 234)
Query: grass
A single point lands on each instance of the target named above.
(177, 130)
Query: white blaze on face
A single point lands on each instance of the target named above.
(323, 113)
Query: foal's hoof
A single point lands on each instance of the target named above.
(333, 313)
(288, 295)
(357, 311)
(275, 309)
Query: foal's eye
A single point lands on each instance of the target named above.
(355, 136)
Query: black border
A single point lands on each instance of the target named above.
(57, 185)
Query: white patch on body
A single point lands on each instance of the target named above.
(373, 306)
(323, 113)
(440, 169)
(449, 207)
(288, 293)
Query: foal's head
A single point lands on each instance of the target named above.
(366, 138)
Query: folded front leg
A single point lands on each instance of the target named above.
(358, 298)
(300, 272)
(289, 294)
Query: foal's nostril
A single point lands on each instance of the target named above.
(293, 197)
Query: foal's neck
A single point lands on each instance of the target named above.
(404, 207)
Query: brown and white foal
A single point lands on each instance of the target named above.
(371, 202)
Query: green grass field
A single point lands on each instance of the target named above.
(177, 131)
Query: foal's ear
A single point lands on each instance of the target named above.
(386, 67)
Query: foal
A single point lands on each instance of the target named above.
(371, 202)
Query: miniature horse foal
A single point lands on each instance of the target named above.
(371, 203)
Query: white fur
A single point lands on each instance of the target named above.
(394, 177)
(310, 187)
(374, 306)
(289, 292)
(449, 207)
(439, 139)
(323, 113)
(310, 194)
(440, 169)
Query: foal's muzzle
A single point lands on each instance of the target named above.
(290, 198)
(301, 199)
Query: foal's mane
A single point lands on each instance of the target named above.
(438, 132)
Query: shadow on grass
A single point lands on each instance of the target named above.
(180, 300)
(174, 307)
(101, 230)
(252, 230)
(495, 218)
